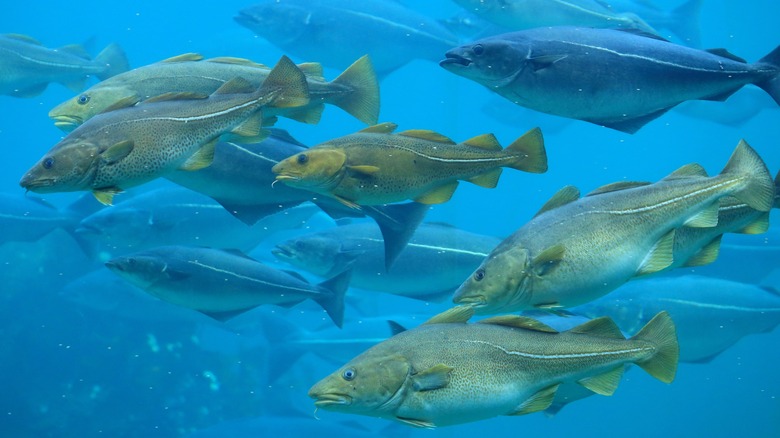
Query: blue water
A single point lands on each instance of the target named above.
(121, 365)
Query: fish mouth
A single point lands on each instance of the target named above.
(475, 301)
(283, 252)
(36, 184)
(454, 58)
(67, 123)
(327, 400)
(288, 178)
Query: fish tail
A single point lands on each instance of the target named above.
(661, 332)
(684, 22)
(759, 191)
(397, 222)
(114, 60)
(333, 300)
(529, 149)
(289, 80)
(772, 85)
(362, 102)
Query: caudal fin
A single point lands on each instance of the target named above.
(397, 223)
(772, 85)
(332, 300)
(660, 331)
(362, 99)
(290, 84)
(530, 151)
(114, 60)
(759, 192)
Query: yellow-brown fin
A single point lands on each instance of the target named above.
(603, 327)
(660, 332)
(516, 321)
(184, 57)
(707, 254)
(758, 226)
(565, 195)
(23, 37)
(236, 61)
(707, 217)
(686, 171)
(290, 84)
(759, 191)
(347, 202)
(235, 86)
(364, 169)
(416, 423)
(604, 384)
(117, 152)
(435, 377)
(309, 114)
(537, 402)
(381, 128)
(312, 70)
(202, 158)
(106, 195)
(438, 195)
(457, 315)
(124, 102)
(424, 134)
(487, 142)
(186, 95)
(487, 179)
(660, 256)
(530, 153)
(617, 186)
(548, 259)
(362, 101)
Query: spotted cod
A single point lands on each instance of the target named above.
(447, 372)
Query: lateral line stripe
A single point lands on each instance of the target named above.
(244, 277)
(436, 248)
(562, 356)
(721, 306)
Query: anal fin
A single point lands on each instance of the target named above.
(439, 194)
(604, 384)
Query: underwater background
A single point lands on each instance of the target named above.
(91, 356)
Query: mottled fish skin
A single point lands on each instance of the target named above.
(576, 250)
(130, 146)
(356, 89)
(374, 166)
(26, 67)
(447, 372)
(608, 77)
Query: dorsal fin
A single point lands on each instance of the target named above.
(562, 197)
(726, 54)
(458, 314)
(235, 86)
(23, 37)
(184, 57)
(425, 134)
(487, 142)
(125, 102)
(603, 327)
(237, 61)
(75, 50)
(381, 128)
(692, 169)
(617, 186)
(517, 321)
(238, 253)
(312, 70)
(184, 95)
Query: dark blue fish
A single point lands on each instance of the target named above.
(618, 79)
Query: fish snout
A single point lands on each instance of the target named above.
(283, 251)
(66, 123)
(34, 183)
(326, 400)
(454, 58)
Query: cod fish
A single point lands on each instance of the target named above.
(447, 372)
(223, 283)
(26, 67)
(133, 145)
(711, 314)
(576, 250)
(356, 90)
(613, 78)
(374, 166)
(359, 247)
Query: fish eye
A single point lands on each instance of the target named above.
(83, 99)
(478, 49)
(303, 159)
(348, 374)
(48, 163)
(479, 275)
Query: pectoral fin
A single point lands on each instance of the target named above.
(364, 169)
(416, 423)
(541, 62)
(106, 195)
(438, 195)
(660, 256)
(537, 402)
(604, 384)
(118, 151)
(203, 157)
(548, 259)
(435, 377)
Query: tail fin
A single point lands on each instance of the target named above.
(772, 85)
(530, 150)
(759, 192)
(290, 82)
(660, 331)
(777, 191)
(114, 60)
(333, 298)
(362, 99)
(397, 223)
(684, 22)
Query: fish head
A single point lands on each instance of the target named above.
(73, 112)
(369, 385)
(140, 269)
(320, 255)
(69, 166)
(318, 170)
(279, 22)
(493, 62)
(500, 283)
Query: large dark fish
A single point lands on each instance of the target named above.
(612, 78)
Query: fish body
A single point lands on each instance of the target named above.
(612, 78)
(448, 372)
(360, 247)
(223, 283)
(356, 89)
(374, 166)
(711, 314)
(578, 249)
(133, 145)
(339, 31)
(27, 67)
